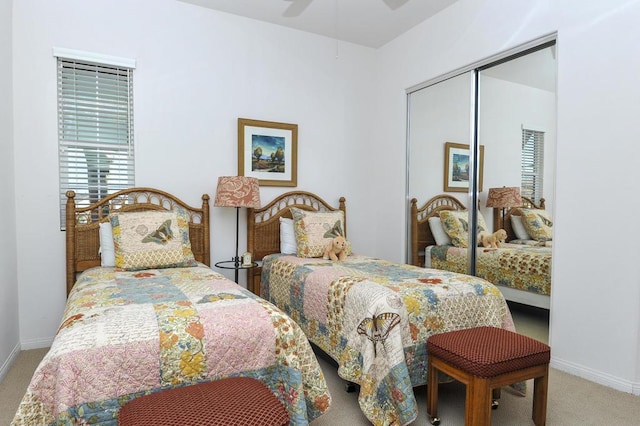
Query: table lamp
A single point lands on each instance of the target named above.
(237, 191)
(500, 199)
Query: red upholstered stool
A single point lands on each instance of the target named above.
(485, 359)
(230, 401)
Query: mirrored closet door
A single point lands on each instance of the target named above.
(481, 144)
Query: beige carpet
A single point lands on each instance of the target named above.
(572, 401)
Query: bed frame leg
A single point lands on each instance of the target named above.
(350, 387)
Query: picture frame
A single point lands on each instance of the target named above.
(456, 167)
(268, 150)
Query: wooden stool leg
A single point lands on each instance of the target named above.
(478, 403)
(540, 385)
(495, 396)
(432, 392)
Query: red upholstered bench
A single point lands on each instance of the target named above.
(485, 359)
(229, 401)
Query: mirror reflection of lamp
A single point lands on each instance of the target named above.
(501, 199)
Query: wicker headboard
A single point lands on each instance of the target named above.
(421, 235)
(83, 238)
(263, 225)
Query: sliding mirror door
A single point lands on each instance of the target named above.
(439, 117)
(517, 127)
(502, 114)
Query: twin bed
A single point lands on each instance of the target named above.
(521, 268)
(144, 327)
(140, 328)
(372, 317)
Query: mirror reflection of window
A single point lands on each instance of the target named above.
(532, 164)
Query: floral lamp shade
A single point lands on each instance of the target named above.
(504, 197)
(237, 191)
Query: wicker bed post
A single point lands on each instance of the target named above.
(415, 261)
(71, 235)
(205, 225)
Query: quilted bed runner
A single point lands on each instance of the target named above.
(374, 317)
(126, 334)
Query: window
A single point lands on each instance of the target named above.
(95, 127)
(532, 164)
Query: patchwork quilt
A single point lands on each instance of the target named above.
(127, 334)
(373, 317)
(518, 266)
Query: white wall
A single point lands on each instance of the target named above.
(197, 71)
(9, 342)
(595, 302)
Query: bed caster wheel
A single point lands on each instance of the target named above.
(494, 404)
(434, 420)
(350, 387)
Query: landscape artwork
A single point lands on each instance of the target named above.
(457, 166)
(268, 154)
(267, 151)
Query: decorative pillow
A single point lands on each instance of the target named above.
(151, 239)
(287, 236)
(439, 234)
(538, 224)
(107, 250)
(314, 230)
(518, 228)
(456, 225)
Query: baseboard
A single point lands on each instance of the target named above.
(6, 366)
(37, 343)
(596, 376)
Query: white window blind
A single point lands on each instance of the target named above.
(532, 164)
(95, 130)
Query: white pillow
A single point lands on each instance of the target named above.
(518, 228)
(287, 236)
(439, 234)
(107, 250)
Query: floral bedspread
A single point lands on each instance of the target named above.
(373, 317)
(126, 334)
(522, 267)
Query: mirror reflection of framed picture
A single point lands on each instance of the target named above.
(268, 151)
(456, 167)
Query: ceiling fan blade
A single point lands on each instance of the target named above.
(394, 4)
(296, 8)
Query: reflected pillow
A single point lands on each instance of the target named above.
(151, 239)
(438, 232)
(107, 250)
(456, 225)
(518, 228)
(315, 230)
(287, 236)
(538, 224)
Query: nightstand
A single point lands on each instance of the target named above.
(236, 265)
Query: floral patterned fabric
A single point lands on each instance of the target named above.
(456, 225)
(519, 266)
(374, 317)
(151, 239)
(127, 334)
(538, 224)
(315, 230)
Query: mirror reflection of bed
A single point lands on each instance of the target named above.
(520, 267)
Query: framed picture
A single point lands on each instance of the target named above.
(268, 151)
(456, 167)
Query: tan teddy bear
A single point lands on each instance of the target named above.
(336, 249)
(494, 240)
